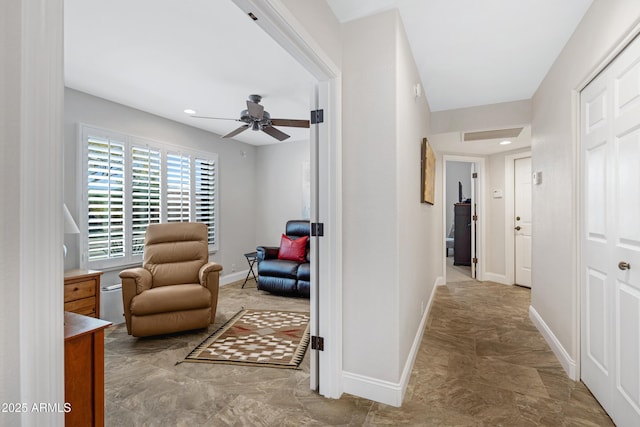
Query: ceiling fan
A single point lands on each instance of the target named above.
(256, 118)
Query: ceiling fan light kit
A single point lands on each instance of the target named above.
(257, 119)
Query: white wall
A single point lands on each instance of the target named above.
(456, 172)
(391, 241)
(237, 171)
(419, 248)
(370, 217)
(279, 188)
(483, 117)
(554, 256)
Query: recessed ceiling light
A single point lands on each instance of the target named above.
(505, 142)
(190, 111)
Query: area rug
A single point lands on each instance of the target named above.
(272, 338)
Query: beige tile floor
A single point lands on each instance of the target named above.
(481, 363)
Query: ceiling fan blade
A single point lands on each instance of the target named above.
(255, 110)
(237, 131)
(290, 123)
(215, 118)
(280, 136)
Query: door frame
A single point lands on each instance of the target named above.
(280, 24)
(579, 187)
(479, 197)
(509, 212)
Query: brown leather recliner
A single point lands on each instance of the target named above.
(176, 289)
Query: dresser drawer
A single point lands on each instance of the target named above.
(79, 290)
(85, 306)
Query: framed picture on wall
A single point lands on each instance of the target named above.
(428, 168)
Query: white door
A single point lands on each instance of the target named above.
(610, 237)
(474, 219)
(314, 301)
(522, 220)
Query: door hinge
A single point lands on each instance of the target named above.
(474, 175)
(475, 217)
(317, 343)
(317, 116)
(317, 229)
(475, 260)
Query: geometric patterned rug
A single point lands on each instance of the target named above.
(272, 338)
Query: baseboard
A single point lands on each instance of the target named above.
(498, 278)
(233, 277)
(568, 364)
(385, 391)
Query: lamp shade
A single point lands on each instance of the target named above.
(70, 226)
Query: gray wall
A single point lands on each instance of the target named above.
(237, 173)
(279, 188)
(456, 172)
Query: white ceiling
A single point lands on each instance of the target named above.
(163, 56)
(478, 52)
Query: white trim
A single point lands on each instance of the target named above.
(568, 364)
(278, 22)
(40, 322)
(372, 388)
(480, 202)
(227, 279)
(385, 391)
(509, 200)
(498, 278)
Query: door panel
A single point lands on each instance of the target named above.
(597, 320)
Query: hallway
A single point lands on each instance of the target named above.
(481, 362)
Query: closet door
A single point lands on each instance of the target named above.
(610, 237)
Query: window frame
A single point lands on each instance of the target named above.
(84, 132)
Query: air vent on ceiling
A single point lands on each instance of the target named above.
(492, 134)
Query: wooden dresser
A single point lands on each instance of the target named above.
(82, 292)
(84, 369)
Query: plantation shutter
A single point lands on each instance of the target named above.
(178, 187)
(145, 193)
(105, 198)
(205, 202)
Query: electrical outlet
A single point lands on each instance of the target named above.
(233, 268)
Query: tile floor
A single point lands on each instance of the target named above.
(481, 363)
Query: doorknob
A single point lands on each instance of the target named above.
(624, 266)
(517, 228)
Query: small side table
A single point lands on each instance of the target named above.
(252, 258)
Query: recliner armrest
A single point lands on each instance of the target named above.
(206, 269)
(134, 281)
(139, 276)
(209, 275)
(267, 252)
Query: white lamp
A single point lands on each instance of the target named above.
(70, 226)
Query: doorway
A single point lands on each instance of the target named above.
(463, 218)
(610, 236)
(517, 202)
(326, 167)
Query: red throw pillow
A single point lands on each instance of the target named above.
(293, 250)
